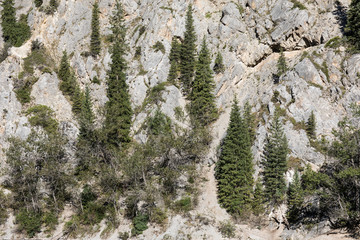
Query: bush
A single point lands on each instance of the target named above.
(38, 3)
(140, 224)
(4, 52)
(159, 47)
(3, 206)
(42, 117)
(227, 229)
(30, 222)
(183, 205)
(158, 216)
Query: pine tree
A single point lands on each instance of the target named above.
(188, 51)
(86, 117)
(311, 126)
(275, 162)
(234, 170)
(95, 42)
(353, 22)
(174, 58)
(281, 64)
(202, 106)
(295, 199)
(219, 65)
(118, 108)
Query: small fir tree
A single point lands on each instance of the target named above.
(234, 169)
(219, 65)
(281, 64)
(188, 51)
(311, 126)
(295, 199)
(275, 162)
(258, 200)
(174, 58)
(95, 42)
(77, 100)
(118, 108)
(202, 106)
(86, 117)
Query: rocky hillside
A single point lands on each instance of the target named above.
(322, 78)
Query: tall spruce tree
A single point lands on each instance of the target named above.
(275, 162)
(95, 42)
(188, 52)
(353, 23)
(174, 58)
(234, 170)
(202, 107)
(118, 108)
(258, 200)
(77, 100)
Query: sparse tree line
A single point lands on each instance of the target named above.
(105, 163)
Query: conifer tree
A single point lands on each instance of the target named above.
(8, 19)
(65, 75)
(219, 65)
(281, 64)
(174, 58)
(353, 22)
(77, 100)
(275, 162)
(15, 33)
(311, 126)
(295, 199)
(249, 121)
(202, 106)
(118, 108)
(234, 170)
(258, 200)
(188, 51)
(95, 42)
(86, 116)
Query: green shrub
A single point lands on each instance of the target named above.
(139, 224)
(159, 47)
(42, 116)
(38, 3)
(96, 80)
(23, 94)
(4, 52)
(30, 222)
(298, 5)
(183, 205)
(158, 216)
(335, 42)
(137, 53)
(227, 229)
(50, 220)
